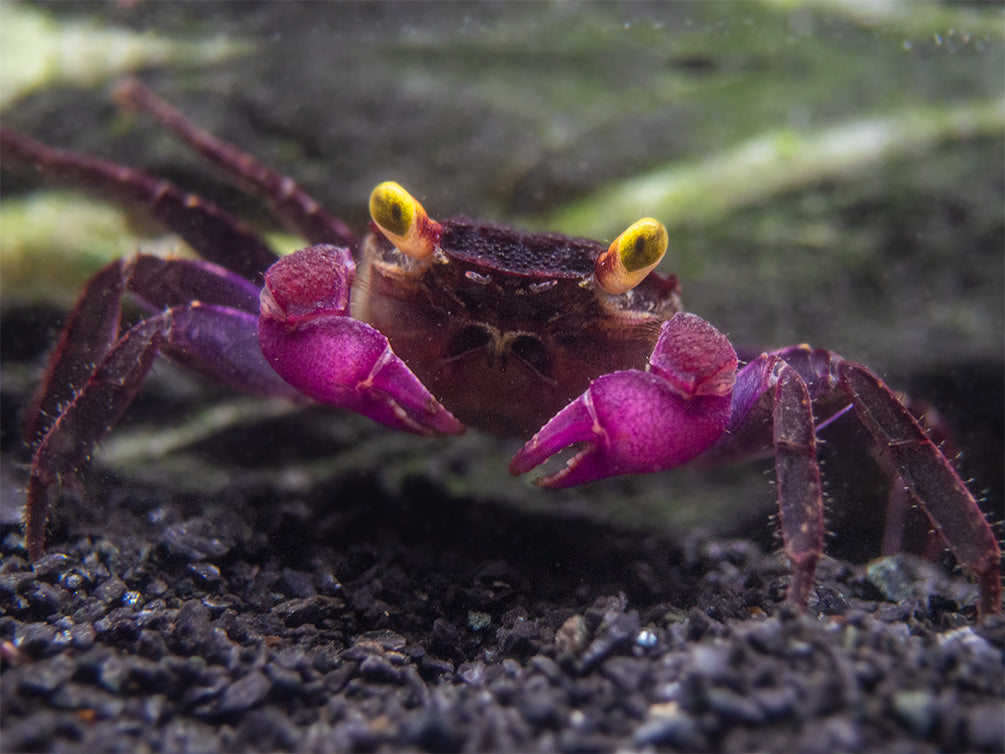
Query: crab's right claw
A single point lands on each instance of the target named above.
(311, 342)
(636, 422)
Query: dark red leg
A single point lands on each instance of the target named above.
(94, 410)
(294, 207)
(770, 393)
(214, 233)
(216, 336)
(92, 326)
(800, 497)
(90, 330)
(929, 478)
(830, 384)
(908, 528)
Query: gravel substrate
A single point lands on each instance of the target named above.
(424, 624)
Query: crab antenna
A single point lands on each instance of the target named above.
(401, 218)
(632, 256)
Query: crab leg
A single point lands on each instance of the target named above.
(95, 409)
(311, 342)
(789, 380)
(793, 435)
(214, 233)
(86, 337)
(156, 284)
(217, 340)
(639, 422)
(291, 204)
(929, 478)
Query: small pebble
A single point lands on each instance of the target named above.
(245, 692)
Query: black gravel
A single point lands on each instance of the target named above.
(430, 625)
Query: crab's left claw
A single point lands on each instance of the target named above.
(637, 422)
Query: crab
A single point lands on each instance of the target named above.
(429, 326)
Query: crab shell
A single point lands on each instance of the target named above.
(506, 327)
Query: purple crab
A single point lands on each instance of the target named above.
(429, 326)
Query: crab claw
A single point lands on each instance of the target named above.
(639, 422)
(311, 342)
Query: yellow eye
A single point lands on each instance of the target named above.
(632, 256)
(402, 219)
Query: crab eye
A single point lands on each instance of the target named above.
(402, 219)
(632, 256)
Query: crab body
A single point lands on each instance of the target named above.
(502, 327)
(430, 326)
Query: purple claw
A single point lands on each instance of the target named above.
(342, 362)
(637, 422)
(311, 343)
(632, 423)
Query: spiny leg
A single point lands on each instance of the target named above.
(908, 528)
(930, 479)
(156, 283)
(215, 340)
(90, 330)
(94, 410)
(93, 324)
(291, 204)
(800, 497)
(220, 310)
(213, 232)
(770, 392)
